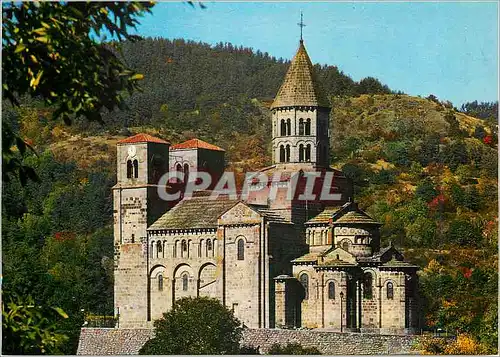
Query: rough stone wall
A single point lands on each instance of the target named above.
(168, 259)
(130, 255)
(333, 343)
(243, 278)
(101, 341)
(393, 310)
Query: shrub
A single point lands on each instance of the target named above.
(195, 326)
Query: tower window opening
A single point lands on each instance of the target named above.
(331, 290)
(301, 152)
(308, 127)
(288, 127)
(287, 159)
(390, 291)
(129, 169)
(345, 246)
(301, 126)
(136, 169)
(282, 153)
(132, 239)
(283, 127)
(186, 173)
(308, 152)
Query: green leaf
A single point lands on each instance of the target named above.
(20, 47)
(43, 39)
(137, 77)
(36, 80)
(61, 312)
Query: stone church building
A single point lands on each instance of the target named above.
(278, 262)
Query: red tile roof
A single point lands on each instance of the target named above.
(196, 144)
(142, 138)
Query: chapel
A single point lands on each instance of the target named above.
(277, 259)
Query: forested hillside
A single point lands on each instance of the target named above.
(420, 166)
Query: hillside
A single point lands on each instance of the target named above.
(425, 170)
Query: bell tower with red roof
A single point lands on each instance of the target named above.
(142, 160)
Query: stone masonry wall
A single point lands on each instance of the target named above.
(102, 341)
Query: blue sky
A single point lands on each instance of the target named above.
(449, 49)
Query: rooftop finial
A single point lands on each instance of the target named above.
(301, 25)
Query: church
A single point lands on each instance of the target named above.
(277, 260)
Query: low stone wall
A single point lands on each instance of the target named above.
(109, 341)
(333, 343)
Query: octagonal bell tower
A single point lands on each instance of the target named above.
(300, 116)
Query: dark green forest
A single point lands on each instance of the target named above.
(424, 168)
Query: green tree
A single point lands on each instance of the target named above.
(421, 232)
(463, 231)
(195, 326)
(454, 154)
(425, 190)
(51, 51)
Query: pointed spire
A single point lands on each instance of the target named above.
(300, 87)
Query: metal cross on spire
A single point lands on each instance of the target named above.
(301, 25)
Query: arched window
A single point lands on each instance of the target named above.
(209, 247)
(178, 168)
(160, 282)
(287, 153)
(185, 281)
(301, 152)
(136, 169)
(308, 127)
(390, 291)
(130, 169)
(331, 290)
(184, 248)
(367, 286)
(288, 127)
(308, 152)
(241, 249)
(186, 173)
(304, 280)
(345, 246)
(159, 249)
(283, 127)
(282, 153)
(301, 126)
(132, 239)
(151, 252)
